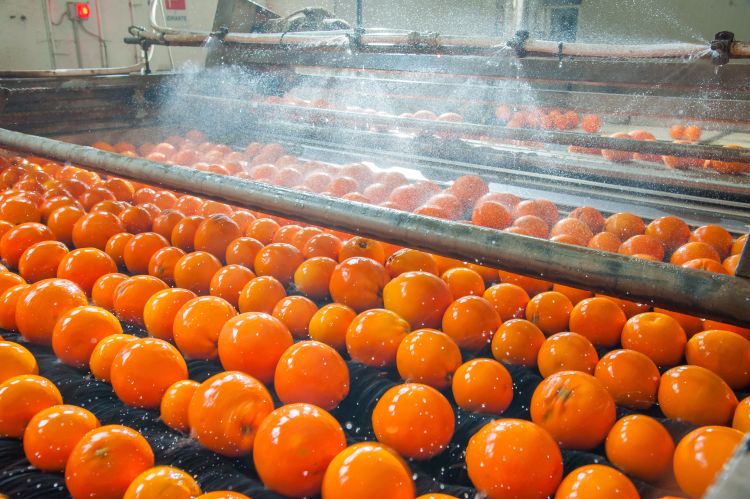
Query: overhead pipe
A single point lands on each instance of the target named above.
(691, 291)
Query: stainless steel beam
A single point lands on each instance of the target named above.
(700, 293)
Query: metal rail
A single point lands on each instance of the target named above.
(700, 293)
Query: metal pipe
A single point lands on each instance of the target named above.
(50, 37)
(700, 293)
(360, 15)
(656, 147)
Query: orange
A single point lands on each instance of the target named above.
(215, 233)
(531, 285)
(470, 321)
(596, 480)
(617, 155)
(709, 325)
(55, 297)
(575, 295)
(415, 420)
(103, 291)
(598, 319)
(542, 208)
(104, 354)
(689, 323)
(330, 323)
(410, 260)
(643, 244)
(716, 236)
(696, 395)
(8, 301)
(131, 296)
(701, 455)
(21, 397)
(590, 216)
(313, 276)
(228, 281)
(549, 311)
(163, 262)
(692, 250)
(313, 373)
(19, 209)
(468, 188)
(115, 247)
(368, 470)
(139, 250)
(293, 448)
(566, 352)
(84, 266)
(161, 308)
(165, 223)
(464, 282)
(508, 300)
(730, 264)
(741, 418)
(574, 228)
(195, 270)
(242, 251)
(9, 280)
(491, 214)
(533, 225)
(641, 447)
(295, 313)
(630, 377)
(483, 385)
(658, 336)
(671, 231)
(624, 225)
(253, 343)
(261, 295)
(605, 241)
(77, 332)
(262, 229)
(173, 408)
(16, 240)
(723, 352)
(136, 219)
(15, 360)
(517, 341)
(134, 377)
(183, 233)
(373, 337)
(514, 458)
(222, 494)
(326, 245)
(575, 408)
(162, 481)
(197, 326)
(40, 260)
(226, 411)
(105, 461)
(278, 260)
(52, 433)
(739, 244)
(429, 357)
(419, 297)
(358, 283)
(363, 247)
(94, 230)
(630, 308)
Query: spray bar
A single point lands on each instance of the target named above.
(696, 292)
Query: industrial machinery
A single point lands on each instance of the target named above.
(432, 108)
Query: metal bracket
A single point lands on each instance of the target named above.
(220, 33)
(518, 43)
(720, 47)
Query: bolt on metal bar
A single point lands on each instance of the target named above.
(696, 292)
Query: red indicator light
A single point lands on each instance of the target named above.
(83, 11)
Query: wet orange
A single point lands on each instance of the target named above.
(598, 319)
(242, 251)
(590, 216)
(173, 408)
(330, 323)
(549, 311)
(103, 291)
(678, 400)
(483, 385)
(278, 260)
(15, 360)
(373, 337)
(531, 285)
(215, 233)
(131, 296)
(21, 397)
(55, 297)
(105, 352)
(671, 231)
(228, 281)
(514, 458)
(226, 411)
(197, 326)
(630, 377)
(508, 300)
(575, 408)
(701, 455)
(605, 241)
(641, 447)
(419, 297)
(415, 420)
(429, 357)
(94, 229)
(471, 321)
(596, 480)
(21, 237)
(624, 225)
(162, 481)
(84, 266)
(566, 351)
(716, 236)
(358, 283)
(723, 352)
(658, 336)
(77, 332)
(692, 250)
(183, 233)
(313, 276)
(195, 270)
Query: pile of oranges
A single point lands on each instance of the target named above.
(131, 284)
